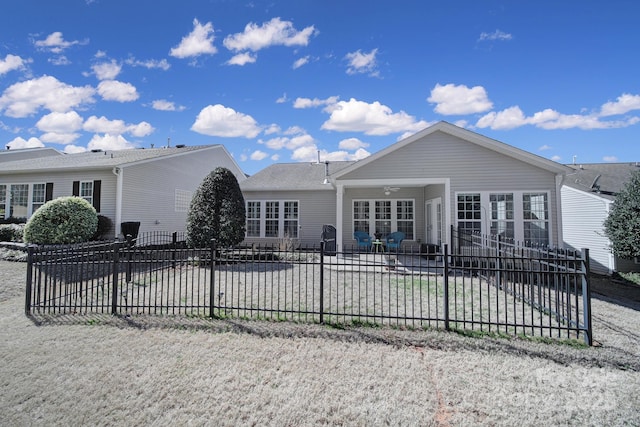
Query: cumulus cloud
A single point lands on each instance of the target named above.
(496, 35)
(164, 105)
(101, 124)
(109, 142)
(273, 33)
(282, 99)
(622, 105)
(56, 43)
(107, 70)
(25, 98)
(315, 102)
(113, 90)
(300, 62)
(162, 64)
(242, 59)
(362, 63)
(372, 119)
(19, 142)
(12, 62)
(351, 144)
(258, 155)
(72, 149)
(59, 138)
(60, 122)
(453, 99)
(218, 120)
(197, 42)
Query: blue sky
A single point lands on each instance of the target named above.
(278, 81)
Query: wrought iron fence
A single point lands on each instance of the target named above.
(489, 291)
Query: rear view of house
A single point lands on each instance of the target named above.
(150, 186)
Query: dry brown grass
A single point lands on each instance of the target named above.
(103, 370)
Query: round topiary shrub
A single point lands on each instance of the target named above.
(63, 220)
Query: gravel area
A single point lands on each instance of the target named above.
(148, 370)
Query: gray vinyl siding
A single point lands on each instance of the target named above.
(148, 193)
(470, 167)
(315, 209)
(583, 215)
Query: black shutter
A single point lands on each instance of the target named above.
(97, 184)
(48, 192)
(76, 188)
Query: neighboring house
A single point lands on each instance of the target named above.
(588, 192)
(28, 153)
(151, 186)
(440, 177)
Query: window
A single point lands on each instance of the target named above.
(470, 213)
(536, 218)
(39, 196)
(19, 201)
(273, 218)
(502, 215)
(388, 216)
(86, 191)
(182, 200)
(253, 219)
(3, 201)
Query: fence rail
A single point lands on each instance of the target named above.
(490, 291)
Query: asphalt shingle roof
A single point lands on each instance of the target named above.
(94, 160)
(292, 176)
(604, 179)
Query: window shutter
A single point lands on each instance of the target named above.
(97, 184)
(48, 192)
(76, 188)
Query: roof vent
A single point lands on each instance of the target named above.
(180, 146)
(96, 150)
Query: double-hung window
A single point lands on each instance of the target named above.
(384, 217)
(502, 223)
(253, 219)
(38, 197)
(536, 218)
(3, 201)
(86, 191)
(272, 218)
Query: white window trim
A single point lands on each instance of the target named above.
(394, 214)
(29, 196)
(90, 200)
(281, 218)
(518, 211)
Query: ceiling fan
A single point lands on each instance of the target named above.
(389, 190)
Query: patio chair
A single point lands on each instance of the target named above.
(363, 239)
(393, 240)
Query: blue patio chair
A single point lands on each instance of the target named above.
(363, 239)
(393, 240)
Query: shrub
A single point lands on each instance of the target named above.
(622, 226)
(13, 220)
(217, 211)
(63, 220)
(104, 226)
(11, 232)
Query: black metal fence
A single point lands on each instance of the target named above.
(544, 294)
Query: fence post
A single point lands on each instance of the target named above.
(114, 294)
(174, 244)
(586, 297)
(322, 281)
(445, 277)
(27, 301)
(212, 272)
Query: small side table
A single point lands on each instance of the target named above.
(378, 246)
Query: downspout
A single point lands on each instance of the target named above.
(339, 208)
(559, 183)
(118, 173)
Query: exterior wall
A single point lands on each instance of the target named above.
(470, 167)
(315, 209)
(582, 217)
(149, 188)
(63, 185)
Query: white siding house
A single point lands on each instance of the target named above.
(440, 177)
(150, 186)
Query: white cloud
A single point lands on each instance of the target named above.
(60, 122)
(55, 42)
(59, 60)
(273, 33)
(25, 98)
(164, 105)
(163, 64)
(109, 142)
(242, 59)
(300, 62)
(545, 147)
(309, 153)
(556, 158)
(362, 63)
(23, 143)
(623, 104)
(12, 62)
(282, 99)
(271, 129)
(258, 155)
(295, 130)
(116, 127)
(352, 144)
(610, 159)
(113, 90)
(315, 102)
(509, 118)
(59, 138)
(107, 70)
(218, 120)
(372, 119)
(71, 149)
(496, 35)
(198, 42)
(453, 99)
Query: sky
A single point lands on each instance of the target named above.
(281, 81)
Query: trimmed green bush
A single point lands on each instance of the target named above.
(217, 211)
(60, 221)
(11, 232)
